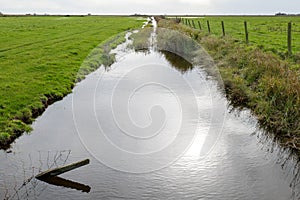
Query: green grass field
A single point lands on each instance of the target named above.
(40, 58)
(269, 33)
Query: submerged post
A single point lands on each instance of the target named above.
(208, 26)
(223, 28)
(246, 32)
(289, 38)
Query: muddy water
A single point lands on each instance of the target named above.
(136, 104)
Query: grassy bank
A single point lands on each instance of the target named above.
(40, 60)
(255, 79)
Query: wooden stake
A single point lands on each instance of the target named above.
(208, 26)
(289, 38)
(199, 24)
(61, 170)
(246, 32)
(193, 23)
(223, 28)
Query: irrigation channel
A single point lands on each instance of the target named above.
(155, 125)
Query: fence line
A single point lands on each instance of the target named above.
(288, 30)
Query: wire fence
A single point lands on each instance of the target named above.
(278, 36)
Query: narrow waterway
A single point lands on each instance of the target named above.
(154, 127)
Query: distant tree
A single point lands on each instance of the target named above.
(280, 14)
(1, 13)
(89, 14)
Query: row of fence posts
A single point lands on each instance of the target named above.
(191, 23)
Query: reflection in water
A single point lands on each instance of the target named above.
(177, 62)
(67, 184)
(288, 159)
(20, 168)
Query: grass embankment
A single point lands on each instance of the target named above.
(40, 60)
(257, 80)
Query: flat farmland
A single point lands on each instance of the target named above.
(39, 60)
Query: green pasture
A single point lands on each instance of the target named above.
(268, 32)
(40, 58)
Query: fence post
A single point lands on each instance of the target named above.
(199, 24)
(289, 38)
(189, 23)
(246, 32)
(208, 26)
(223, 28)
(193, 23)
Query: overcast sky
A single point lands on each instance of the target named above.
(149, 7)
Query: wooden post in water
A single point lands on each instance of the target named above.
(223, 28)
(193, 23)
(199, 24)
(289, 38)
(61, 170)
(208, 26)
(246, 32)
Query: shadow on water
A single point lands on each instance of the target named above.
(177, 62)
